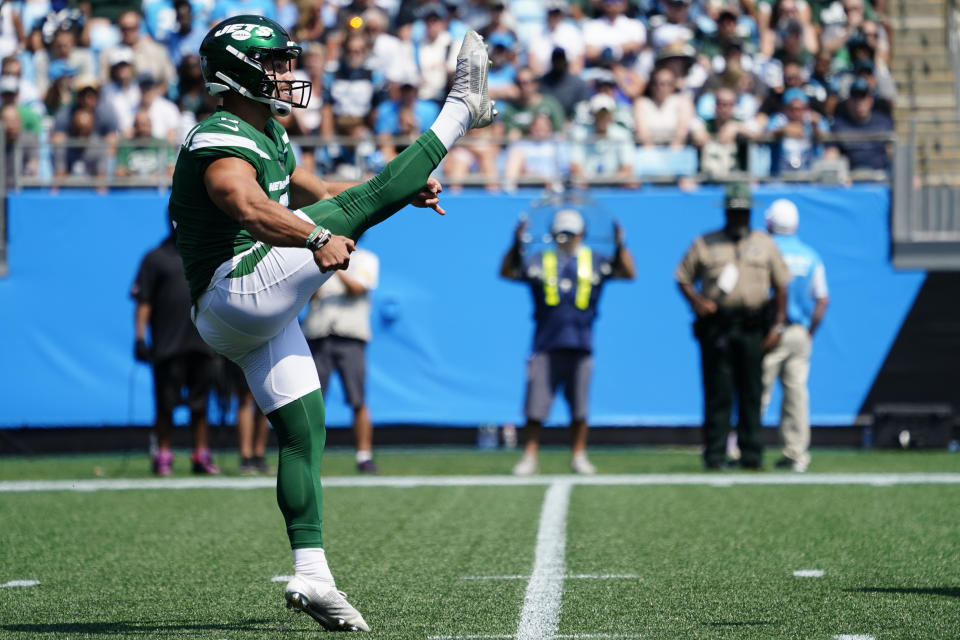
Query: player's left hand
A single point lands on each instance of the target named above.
(429, 196)
(771, 340)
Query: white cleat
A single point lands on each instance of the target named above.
(324, 604)
(470, 80)
(526, 467)
(580, 464)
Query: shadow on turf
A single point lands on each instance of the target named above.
(950, 592)
(134, 628)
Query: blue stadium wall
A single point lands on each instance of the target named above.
(451, 338)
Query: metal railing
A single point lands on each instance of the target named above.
(925, 221)
(50, 175)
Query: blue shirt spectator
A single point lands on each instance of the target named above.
(858, 115)
(798, 129)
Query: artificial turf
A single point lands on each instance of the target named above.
(680, 561)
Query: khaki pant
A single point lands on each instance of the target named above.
(790, 361)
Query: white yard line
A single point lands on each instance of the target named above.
(847, 636)
(541, 604)
(404, 482)
(19, 583)
(808, 573)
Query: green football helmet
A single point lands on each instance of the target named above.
(243, 54)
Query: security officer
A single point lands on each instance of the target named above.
(807, 300)
(566, 283)
(736, 269)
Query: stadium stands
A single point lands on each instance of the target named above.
(80, 76)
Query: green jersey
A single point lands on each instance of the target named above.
(206, 236)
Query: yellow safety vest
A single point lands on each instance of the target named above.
(551, 281)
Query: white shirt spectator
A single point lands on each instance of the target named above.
(601, 33)
(165, 119)
(125, 102)
(9, 44)
(566, 36)
(434, 66)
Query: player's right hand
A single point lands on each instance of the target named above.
(335, 254)
(520, 231)
(141, 351)
(704, 307)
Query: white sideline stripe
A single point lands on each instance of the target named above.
(406, 482)
(20, 583)
(808, 573)
(847, 636)
(281, 578)
(541, 604)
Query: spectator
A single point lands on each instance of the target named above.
(121, 92)
(20, 151)
(88, 158)
(518, 117)
(673, 25)
(794, 77)
(664, 117)
(404, 114)
(557, 33)
(567, 88)
(58, 93)
(797, 131)
(723, 139)
(789, 361)
(881, 86)
(351, 90)
(792, 47)
(62, 52)
(502, 77)
(30, 120)
(180, 359)
(164, 114)
(145, 155)
(337, 328)
(146, 55)
(476, 154)
(185, 39)
(736, 270)
(859, 115)
(785, 17)
(27, 94)
(606, 83)
(603, 151)
(87, 96)
(680, 57)
(12, 37)
(192, 95)
(614, 32)
(566, 282)
(308, 119)
(541, 156)
(435, 53)
(711, 48)
(388, 53)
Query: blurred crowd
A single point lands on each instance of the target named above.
(588, 90)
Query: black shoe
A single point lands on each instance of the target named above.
(783, 463)
(714, 466)
(751, 466)
(248, 467)
(368, 466)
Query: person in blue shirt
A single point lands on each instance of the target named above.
(566, 282)
(404, 114)
(789, 361)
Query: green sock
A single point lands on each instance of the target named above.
(359, 208)
(301, 434)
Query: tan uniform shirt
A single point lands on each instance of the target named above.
(734, 274)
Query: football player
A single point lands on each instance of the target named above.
(258, 235)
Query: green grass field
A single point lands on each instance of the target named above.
(695, 556)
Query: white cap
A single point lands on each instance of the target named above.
(567, 221)
(9, 84)
(119, 55)
(602, 101)
(782, 217)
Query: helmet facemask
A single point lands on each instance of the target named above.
(281, 95)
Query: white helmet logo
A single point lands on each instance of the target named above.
(263, 32)
(240, 35)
